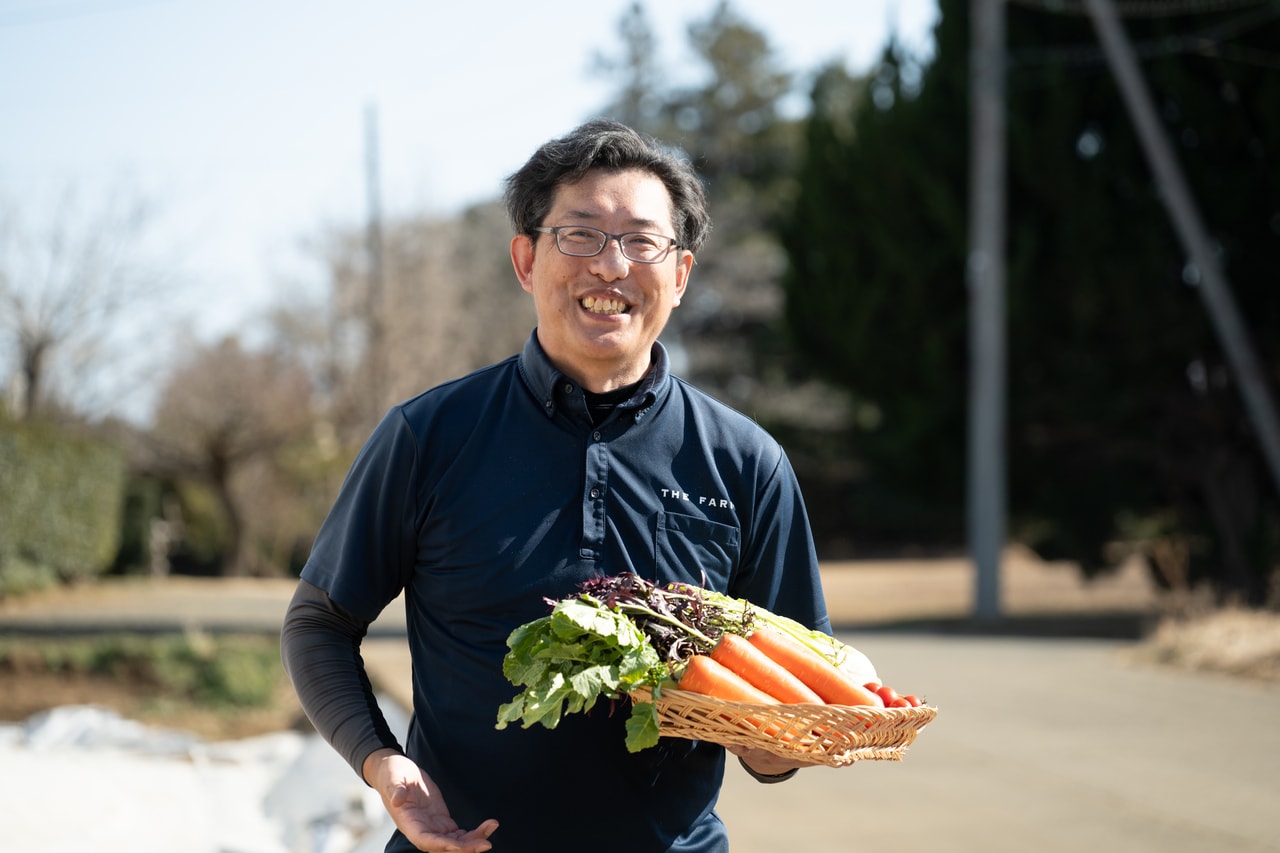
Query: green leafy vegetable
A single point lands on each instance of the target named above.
(568, 660)
(620, 634)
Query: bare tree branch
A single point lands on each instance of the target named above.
(69, 286)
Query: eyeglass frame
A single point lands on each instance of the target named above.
(555, 230)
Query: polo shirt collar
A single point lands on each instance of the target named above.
(543, 378)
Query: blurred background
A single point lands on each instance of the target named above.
(233, 233)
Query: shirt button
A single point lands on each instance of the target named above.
(595, 436)
(595, 494)
(548, 404)
(568, 389)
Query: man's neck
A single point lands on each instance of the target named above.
(605, 380)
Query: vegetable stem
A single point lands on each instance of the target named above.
(649, 613)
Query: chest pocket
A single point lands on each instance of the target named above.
(687, 548)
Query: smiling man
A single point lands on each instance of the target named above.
(603, 297)
(479, 499)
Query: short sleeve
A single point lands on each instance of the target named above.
(365, 550)
(779, 562)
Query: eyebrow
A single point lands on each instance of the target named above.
(639, 224)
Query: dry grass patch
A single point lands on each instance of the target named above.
(1237, 642)
(217, 687)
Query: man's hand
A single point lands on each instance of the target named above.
(765, 762)
(417, 807)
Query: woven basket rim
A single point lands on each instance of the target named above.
(833, 735)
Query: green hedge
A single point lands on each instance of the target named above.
(61, 499)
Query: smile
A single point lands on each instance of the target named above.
(598, 305)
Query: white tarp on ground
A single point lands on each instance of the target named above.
(83, 778)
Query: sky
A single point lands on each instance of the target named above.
(243, 122)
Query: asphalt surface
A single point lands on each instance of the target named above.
(1048, 737)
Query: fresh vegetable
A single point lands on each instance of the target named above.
(568, 660)
(760, 671)
(678, 622)
(834, 685)
(891, 698)
(622, 635)
(707, 676)
(617, 635)
(746, 617)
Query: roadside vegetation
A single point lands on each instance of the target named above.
(1230, 641)
(830, 307)
(215, 686)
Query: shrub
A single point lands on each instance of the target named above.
(60, 505)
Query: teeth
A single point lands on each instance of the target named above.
(603, 306)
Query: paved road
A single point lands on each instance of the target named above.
(1042, 743)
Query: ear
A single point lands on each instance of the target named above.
(684, 268)
(522, 260)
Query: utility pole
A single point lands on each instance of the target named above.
(985, 275)
(1213, 286)
(375, 355)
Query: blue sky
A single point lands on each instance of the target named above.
(243, 120)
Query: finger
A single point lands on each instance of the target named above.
(438, 840)
(466, 844)
(477, 840)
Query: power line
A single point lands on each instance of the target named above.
(1214, 288)
(1210, 41)
(1143, 8)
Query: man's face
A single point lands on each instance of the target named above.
(598, 317)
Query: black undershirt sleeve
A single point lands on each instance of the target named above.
(320, 648)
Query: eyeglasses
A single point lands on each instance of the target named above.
(583, 242)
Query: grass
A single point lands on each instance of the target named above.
(230, 673)
(1228, 641)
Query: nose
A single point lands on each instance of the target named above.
(610, 264)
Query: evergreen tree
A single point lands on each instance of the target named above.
(726, 118)
(1124, 422)
(638, 102)
(875, 291)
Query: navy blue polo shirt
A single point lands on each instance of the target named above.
(483, 496)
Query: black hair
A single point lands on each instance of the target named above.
(612, 146)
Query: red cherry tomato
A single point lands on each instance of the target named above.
(888, 694)
(913, 700)
(873, 686)
(898, 703)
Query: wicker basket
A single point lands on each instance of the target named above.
(834, 735)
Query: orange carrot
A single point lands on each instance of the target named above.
(761, 671)
(819, 674)
(706, 676)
